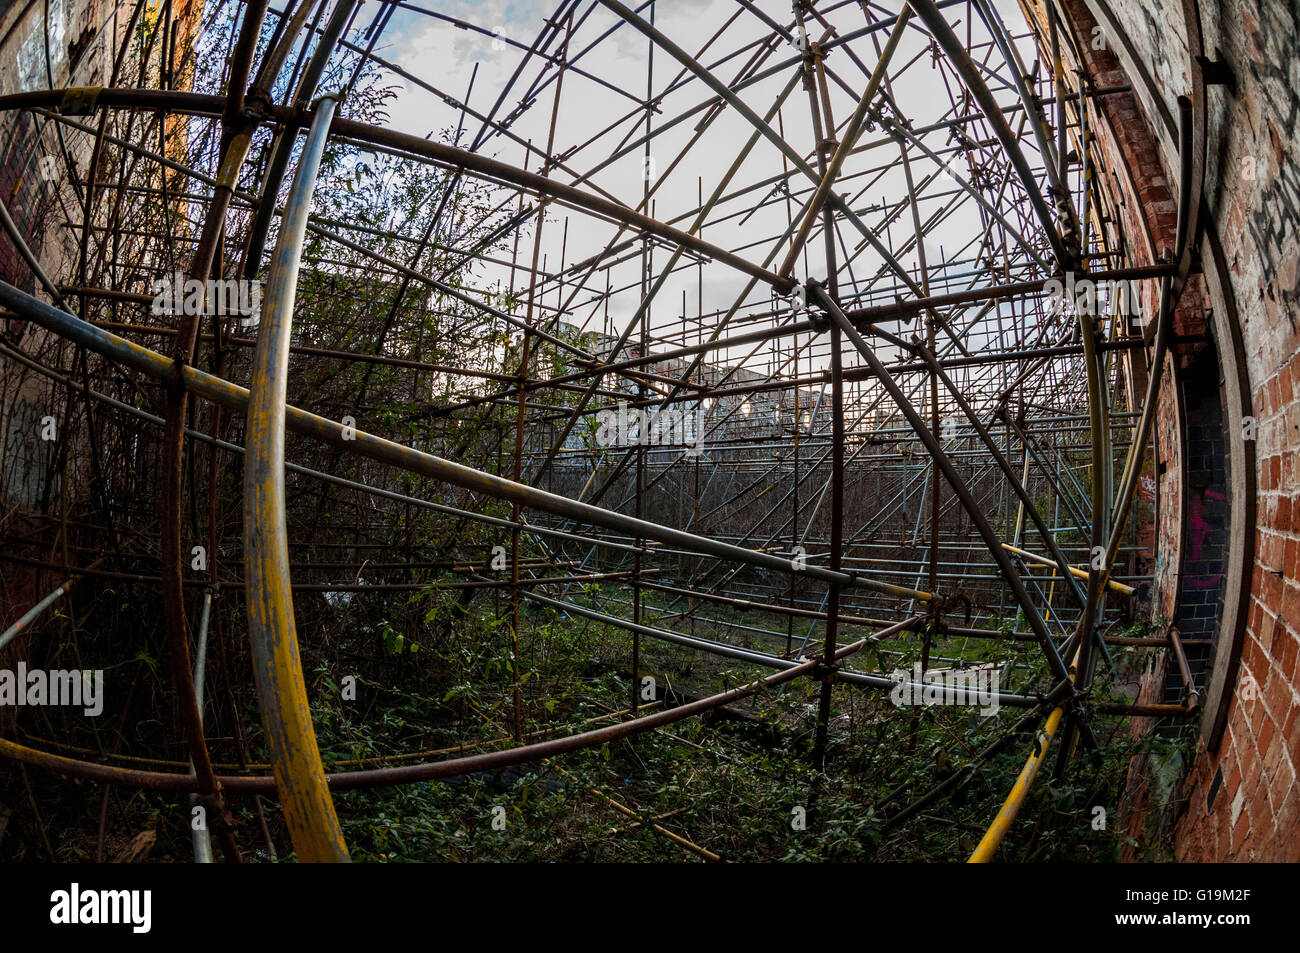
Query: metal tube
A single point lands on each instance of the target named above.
(454, 767)
(284, 141)
(199, 833)
(994, 836)
(32, 614)
(299, 774)
(970, 74)
(367, 135)
(1078, 573)
(1017, 485)
(1185, 670)
(234, 397)
(954, 480)
(846, 143)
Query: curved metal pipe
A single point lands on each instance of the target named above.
(299, 773)
(430, 771)
(234, 397)
(203, 104)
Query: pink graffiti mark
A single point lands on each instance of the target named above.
(1199, 529)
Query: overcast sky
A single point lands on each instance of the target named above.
(445, 56)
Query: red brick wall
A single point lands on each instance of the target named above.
(1241, 798)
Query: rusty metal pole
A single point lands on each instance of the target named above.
(643, 319)
(236, 136)
(954, 479)
(522, 405)
(826, 147)
(277, 667)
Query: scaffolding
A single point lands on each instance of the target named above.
(822, 316)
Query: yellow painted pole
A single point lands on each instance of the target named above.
(1082, 574)
(1011, 807)
(277, 668)
(993, 837)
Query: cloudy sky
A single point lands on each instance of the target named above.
(443, 57)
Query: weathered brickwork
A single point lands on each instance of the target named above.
(1240, 800)
(77, 46)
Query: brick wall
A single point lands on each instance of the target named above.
(1240, 800)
